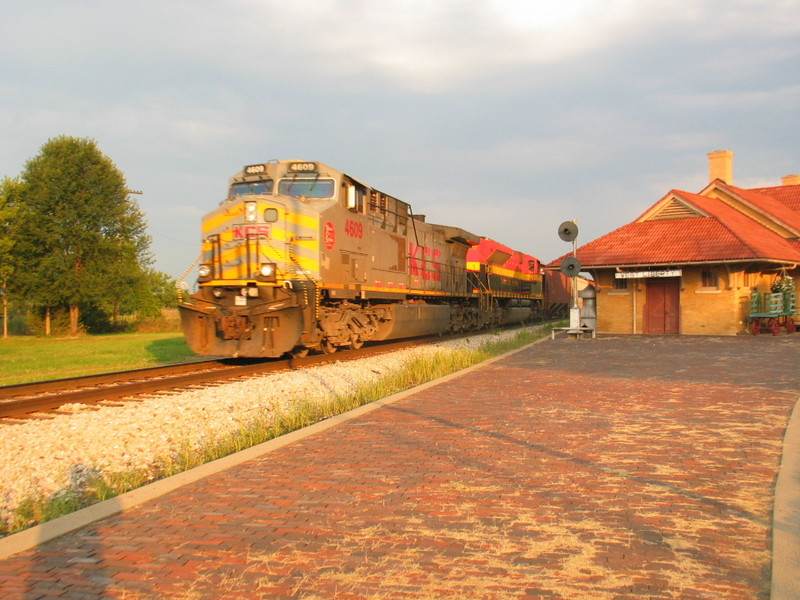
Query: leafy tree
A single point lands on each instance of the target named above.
(81, 239)
(145, 292)
(162, 288)
(9, 203)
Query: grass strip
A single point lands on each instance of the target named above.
(26, 359)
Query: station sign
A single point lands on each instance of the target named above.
(648, 274)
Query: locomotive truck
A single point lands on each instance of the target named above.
(301, 256)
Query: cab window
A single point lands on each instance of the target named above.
(354, 199)
(309, 188)
(251, 188)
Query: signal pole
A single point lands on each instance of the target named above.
(571, 266)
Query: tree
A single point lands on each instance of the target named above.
(9, 203)
(162, 291)
(81, 238)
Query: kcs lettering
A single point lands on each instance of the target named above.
(424, 262)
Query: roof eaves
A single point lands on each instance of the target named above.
(683, 263)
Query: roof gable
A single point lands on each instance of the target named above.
(671, 206)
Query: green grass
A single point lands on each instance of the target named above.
(262, 428)
(26, 359)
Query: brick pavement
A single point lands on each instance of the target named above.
(617, 468)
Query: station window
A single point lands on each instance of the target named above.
(710, 279)
(620, 284)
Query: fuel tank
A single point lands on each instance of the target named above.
(410, 320)
(515, 315)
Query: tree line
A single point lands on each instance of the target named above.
(73, 244)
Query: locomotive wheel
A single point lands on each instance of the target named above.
(356, 342)
(300, 352)
(328, 347)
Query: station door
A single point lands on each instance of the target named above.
(662, 306)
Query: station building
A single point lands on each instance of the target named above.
(690, 263)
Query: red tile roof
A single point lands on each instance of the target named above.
(789, 195)
(759, 241)
(781, 203)
(725, 234)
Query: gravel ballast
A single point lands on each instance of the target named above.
(42, 457)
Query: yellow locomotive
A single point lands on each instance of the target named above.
(303, 257)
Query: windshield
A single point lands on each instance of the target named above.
(251, 188)
(310, 188)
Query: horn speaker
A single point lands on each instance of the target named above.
(568, 231)
(571, 266)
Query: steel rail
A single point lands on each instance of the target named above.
(18, 390)
(26, 400)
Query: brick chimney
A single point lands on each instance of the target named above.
(791, 180)
(720, 166)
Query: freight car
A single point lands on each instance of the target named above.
(301, 256)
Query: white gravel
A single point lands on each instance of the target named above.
(39, 458)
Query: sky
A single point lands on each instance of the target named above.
(503, 117)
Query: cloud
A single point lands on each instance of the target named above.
(583, 109)
(423, 46)
(733, 100)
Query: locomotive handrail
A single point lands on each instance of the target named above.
(300, 268)
(216, 255)
(477, 282)
(179, 283)
(413, 224)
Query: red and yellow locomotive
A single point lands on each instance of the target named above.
(303, 257)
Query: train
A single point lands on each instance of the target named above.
(302, 257)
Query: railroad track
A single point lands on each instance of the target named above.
(30, 400)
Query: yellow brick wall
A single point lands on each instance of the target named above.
(704, 311)
(712, 311)
(614, 307)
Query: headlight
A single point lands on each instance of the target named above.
(267, 272)
(250, 212)
(204, 271)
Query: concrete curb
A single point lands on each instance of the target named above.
(786, 516)
(34, 536)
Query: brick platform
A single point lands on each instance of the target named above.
(615, 468)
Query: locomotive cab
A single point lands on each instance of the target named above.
(260, 264)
